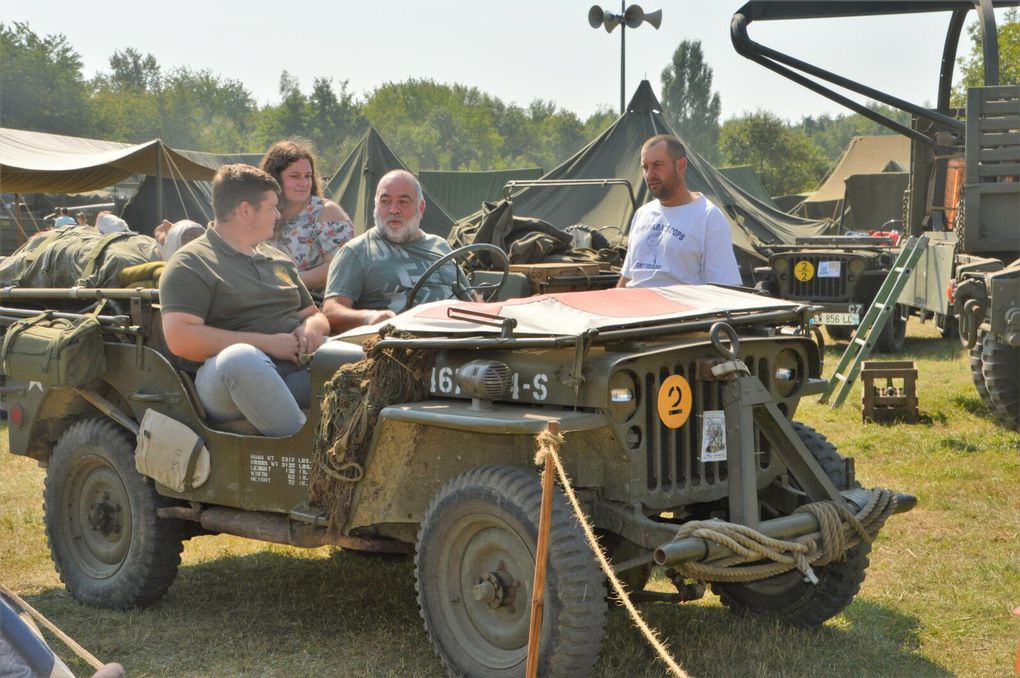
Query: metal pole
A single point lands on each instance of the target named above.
(17, 218)
(159, 181)
(623, 56)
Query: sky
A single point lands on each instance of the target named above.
(517, 50)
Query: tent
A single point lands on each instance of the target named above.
(462, 193)
(182, 198)
(36, 162)
(616, 153)
(749, 181)
(863, 155)
(875, 200)
(353, 185)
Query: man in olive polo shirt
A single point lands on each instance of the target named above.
(238, 306)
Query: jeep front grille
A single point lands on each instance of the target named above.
(673, 455)
(818, 288)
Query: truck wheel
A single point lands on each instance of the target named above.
(947, 326)
(788, 597)
(1000, 367)
(974, 360)
(108, 546)
(894, 333)
(474, 570)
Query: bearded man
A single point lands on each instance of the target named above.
(680, 237)
(370, 276)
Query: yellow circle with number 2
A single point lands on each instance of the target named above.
(804, 271)
(674, 401)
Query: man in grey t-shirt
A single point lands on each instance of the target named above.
(370, 276)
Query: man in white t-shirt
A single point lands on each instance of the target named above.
(680, 237)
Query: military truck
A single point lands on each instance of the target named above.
(841, 274)
(964, 187)
(676, 405)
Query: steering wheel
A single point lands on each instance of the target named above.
(464, 291)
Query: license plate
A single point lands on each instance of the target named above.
(836, 319)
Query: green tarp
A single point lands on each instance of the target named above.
(749, 181)
(36, 162)
(353, 185)
(462, 193)
(182, 198)
(875, 199)
(617, 153)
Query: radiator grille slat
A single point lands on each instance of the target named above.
(819, 288)
(673, 456)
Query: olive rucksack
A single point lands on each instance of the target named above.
(76, 256)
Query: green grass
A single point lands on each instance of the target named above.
(937, 601)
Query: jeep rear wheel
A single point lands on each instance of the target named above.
(474, 570)
(108, 546)
(787, 596)
(1000, 367)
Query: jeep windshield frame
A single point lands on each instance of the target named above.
(794, 69)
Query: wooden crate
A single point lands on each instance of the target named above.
(895, 398)
(560, 277)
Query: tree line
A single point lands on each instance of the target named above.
(430, 125)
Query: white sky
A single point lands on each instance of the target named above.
(517, 50)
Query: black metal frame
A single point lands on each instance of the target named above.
(788, 66)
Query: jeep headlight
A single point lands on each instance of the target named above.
(781, 265)
(788, 372)
(623, 396)
(856, 266)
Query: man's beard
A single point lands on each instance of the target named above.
(410, 230)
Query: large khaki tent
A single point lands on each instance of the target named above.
(863, 155)
(36, 162)
(353, 185)
(182, 198)
(616, 153)
(462, 193)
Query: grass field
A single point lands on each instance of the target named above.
(937, 601)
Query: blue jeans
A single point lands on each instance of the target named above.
(242, 382)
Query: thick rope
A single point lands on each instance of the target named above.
(839, 531)
(548, 446)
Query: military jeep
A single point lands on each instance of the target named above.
(842, 275)
(676, 405)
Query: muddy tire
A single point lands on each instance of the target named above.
(1000, 367)
(108, 546)
(788, 597)
(474, 570)
(894, 334)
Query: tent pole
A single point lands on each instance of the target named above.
(17, 218)
(159, 181)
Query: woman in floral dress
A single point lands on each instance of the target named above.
(311, 230)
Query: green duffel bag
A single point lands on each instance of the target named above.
(55, 351)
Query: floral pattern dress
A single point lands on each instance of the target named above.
(307, 240)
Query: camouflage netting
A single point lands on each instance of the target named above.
(351, 404)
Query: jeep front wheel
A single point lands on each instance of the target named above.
(474, 570)
(108, 546)
(787, 596)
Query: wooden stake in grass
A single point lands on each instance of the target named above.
(541, 555)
